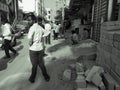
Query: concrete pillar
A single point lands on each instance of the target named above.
(0, 18)
(110, 10)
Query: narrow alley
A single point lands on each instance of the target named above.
(59, 44)
(14, 74)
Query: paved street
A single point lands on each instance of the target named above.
(14, 73)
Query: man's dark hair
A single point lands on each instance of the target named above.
(39, 19)
(34, 18)
(5, 20)
(85, 28)
(73, 31)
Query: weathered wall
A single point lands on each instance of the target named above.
(108, 53)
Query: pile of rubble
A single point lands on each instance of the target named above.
(89, 79)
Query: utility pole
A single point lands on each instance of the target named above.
(16, 12)
(41, 10)
(63, 14)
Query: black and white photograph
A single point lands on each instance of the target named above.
(59, 44)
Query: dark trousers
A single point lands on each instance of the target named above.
(47, 39)
(74, 42)
(36, 58)
(55, 35)
(8, 47)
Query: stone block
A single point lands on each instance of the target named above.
(81, 73)
(108, 81)
(80, 77)
(116, 52)
(107, 42)
(108, 35)
(116, 37)
(72, 66)
(93, 71)
(116, 44)
(102, 86)
(107, 68)
(117, 86)
(113, 65)
(106, 47)
(90, 57)
(79, 67)
(67, 75)
(115, 76)
(107, 57)
(81, 83)
(96, 80)
(112, 25)
(87, 72)
(117, 69)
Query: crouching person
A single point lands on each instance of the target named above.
(74, 38)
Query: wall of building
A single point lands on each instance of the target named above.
(4, 11)
(100, 13)
(104, 10)
(108, 53)
(49, 14)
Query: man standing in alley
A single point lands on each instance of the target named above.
(48, 29)
(35, 35)
(7, 36)
(57, 31)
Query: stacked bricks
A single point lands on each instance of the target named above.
(108, 50)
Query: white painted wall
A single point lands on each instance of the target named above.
(29, 6)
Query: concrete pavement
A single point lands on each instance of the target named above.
(15, 74)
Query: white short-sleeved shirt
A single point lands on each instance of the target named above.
(57, 29)
(6, 31)
(36, 33)
(48, 27)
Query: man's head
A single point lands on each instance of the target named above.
(39, 20)
(85, 29)
(5, 21)
(33, 18)
(73, 31)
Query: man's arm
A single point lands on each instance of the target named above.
(45, 32)
(30, 36)
(30, 42)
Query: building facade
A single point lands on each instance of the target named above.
(4, 10)
(48, 14)
(104, 10)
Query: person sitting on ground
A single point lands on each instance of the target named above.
(57, 31)
(74, 38)
(86, 33)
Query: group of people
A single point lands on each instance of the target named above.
(38, 35)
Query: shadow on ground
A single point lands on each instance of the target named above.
(59, 46)
(20, 48)
(3, 62)
(18, 43)
(20, 81)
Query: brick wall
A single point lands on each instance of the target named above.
(108, 50)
